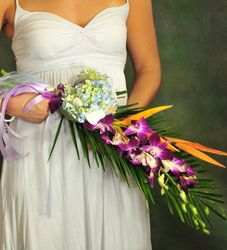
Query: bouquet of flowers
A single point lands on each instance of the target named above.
(125, 136)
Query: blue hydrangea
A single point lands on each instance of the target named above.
(93, 93)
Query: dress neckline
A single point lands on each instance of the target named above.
(60, 17)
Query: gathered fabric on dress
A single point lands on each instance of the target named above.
(64, 204)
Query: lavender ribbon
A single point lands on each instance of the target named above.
(39, 88)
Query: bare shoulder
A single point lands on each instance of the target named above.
(141, 42)
(7, 12)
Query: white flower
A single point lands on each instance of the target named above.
(77, 102)
(169, 165)
(95, 116)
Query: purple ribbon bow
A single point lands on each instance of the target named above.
(39, 88)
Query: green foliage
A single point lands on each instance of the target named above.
(195, 201)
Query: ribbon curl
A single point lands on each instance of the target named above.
(8, 151)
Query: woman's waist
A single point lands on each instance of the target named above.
(37, 65)
(69, 75)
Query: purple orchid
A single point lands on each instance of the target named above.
(116, 140)
(184, 165)
(141, 128)
(54, 102)
(190, 171)
(138, 159)
(103, 125)
(61, 88)
(176, 166)
(145, 159)
(55, 96)
(153, 167)
(187, 183)
(107, 139)
(150, 177)
(131, 147)
(156, 149)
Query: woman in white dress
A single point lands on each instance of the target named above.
(64, 204)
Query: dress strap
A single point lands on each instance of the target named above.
(17, 12)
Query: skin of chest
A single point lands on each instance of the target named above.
(80, 12)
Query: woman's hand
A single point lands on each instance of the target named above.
(37, 113)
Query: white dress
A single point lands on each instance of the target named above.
(63, 204)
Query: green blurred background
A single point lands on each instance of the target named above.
(192, 41)
(192, 44)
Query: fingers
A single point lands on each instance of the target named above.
(40, 111)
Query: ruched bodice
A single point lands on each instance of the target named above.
(42, 37)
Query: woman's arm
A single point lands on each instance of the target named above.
(142, 47)
(4, 5)
(39, 112)
(7, 17)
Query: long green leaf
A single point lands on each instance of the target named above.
(74, 137)
(56, 137)
(149, 192)
(66, 114)
(83, 142)
(203, 171)
(90, 140)
(121, 92)
(175, 202)
(186, 216)
(132, 170)
(202, 186)
(168, 203)
(106, 150)
(206, 194)
(147, 203)
(213, 210)
(190, 215)
(202, 210)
